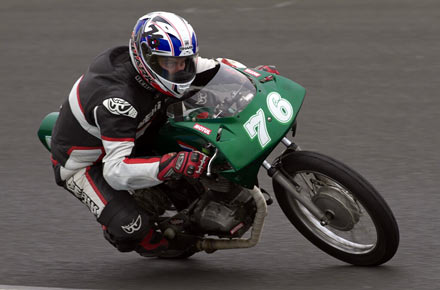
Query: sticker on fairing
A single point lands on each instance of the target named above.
(252, 73)
(280, 108)
(202, 129)
(185, 146)
(256, 125)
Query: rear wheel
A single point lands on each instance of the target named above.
(362, 229)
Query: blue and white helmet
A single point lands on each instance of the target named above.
(159, 42)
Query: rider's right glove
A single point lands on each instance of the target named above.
(191, 164)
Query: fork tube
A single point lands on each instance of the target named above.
(307, 203)
(289, 144)
(286, 142)
(266, 165)
(291, 188)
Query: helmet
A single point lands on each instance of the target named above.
(164, 50)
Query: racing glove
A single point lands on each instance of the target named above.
(191, 164)
(268, 68)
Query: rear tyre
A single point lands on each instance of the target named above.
(362, 231)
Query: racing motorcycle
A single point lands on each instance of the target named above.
(238, 119)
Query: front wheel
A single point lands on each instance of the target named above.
(362, 229)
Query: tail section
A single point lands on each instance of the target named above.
(45, 130)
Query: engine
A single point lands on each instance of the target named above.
(225, 210)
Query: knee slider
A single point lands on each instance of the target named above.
(126, 224)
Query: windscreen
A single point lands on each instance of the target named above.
(225, 95)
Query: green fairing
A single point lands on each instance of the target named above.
(243, 154)
(45, 130)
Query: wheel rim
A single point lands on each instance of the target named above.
(354, 232)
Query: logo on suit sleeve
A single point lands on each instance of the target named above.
(119, 106)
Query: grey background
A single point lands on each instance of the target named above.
(371, 69)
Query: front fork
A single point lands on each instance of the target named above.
(294, 189)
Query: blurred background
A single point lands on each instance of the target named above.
(371, 69)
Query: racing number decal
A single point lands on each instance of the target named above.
(256, 125)
(280, 108)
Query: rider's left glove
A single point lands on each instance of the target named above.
(191, 164)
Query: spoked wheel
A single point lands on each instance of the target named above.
(362, 229)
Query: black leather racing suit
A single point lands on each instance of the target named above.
(111, 114)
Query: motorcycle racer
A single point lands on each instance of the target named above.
(100, 142)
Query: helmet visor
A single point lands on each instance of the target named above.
(180, 69)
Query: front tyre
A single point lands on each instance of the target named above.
(362, 230)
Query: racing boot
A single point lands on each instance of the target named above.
(152, 245)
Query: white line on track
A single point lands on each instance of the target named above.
(13, 287)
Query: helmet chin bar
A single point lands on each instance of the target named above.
(176, 89)
(182, 89)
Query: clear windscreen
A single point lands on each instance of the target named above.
(225, 95)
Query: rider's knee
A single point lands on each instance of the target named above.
(125, 224)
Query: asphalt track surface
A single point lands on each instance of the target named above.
(371, 69)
